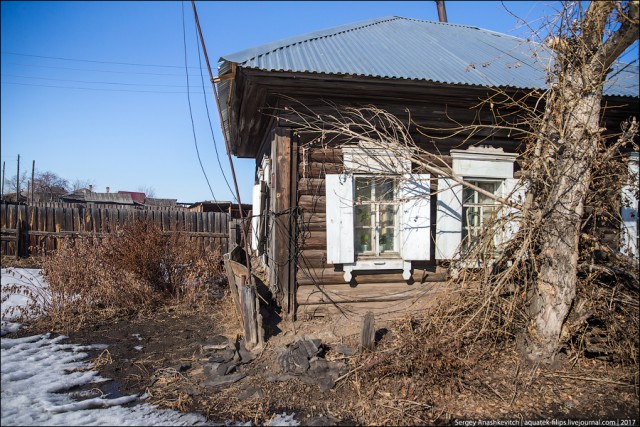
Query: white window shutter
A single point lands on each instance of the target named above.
(339, 196)
(629, 212)
(255, 219)
(514, 191)
(448, 219)
(415, 232)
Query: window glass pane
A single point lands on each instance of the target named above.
(363, 189)
(387, 239)
(468, 195)
(384, 189)
(364, 215)
(479, 210)
(363, 240)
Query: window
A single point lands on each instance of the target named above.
(478, 211)
(376, 215)
(377, 222)
(462, 213)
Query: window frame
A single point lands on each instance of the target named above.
(469, 238)
(375, 226)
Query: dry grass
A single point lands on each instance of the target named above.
(131, 270)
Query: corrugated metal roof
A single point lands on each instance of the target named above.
(402, 48)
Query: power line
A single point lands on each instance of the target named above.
(99, 89)
(93, 69)
(193, 127)
(91, 82)
(93, 61)
(206, 104)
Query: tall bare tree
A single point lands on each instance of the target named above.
(586, 44)
(48, 186)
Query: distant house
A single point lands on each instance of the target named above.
(337, 230)
(91, 198)
(228, 207)
(137, 197)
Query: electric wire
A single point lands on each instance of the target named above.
(93, 61)
(100, 89)
(91, 69)
(91, 82)
(193, 127)
(206, 104)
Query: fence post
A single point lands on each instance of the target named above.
(368, 332)
(18, 226)
(233, 234)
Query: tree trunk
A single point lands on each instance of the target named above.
(562, 206)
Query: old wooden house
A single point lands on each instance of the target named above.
(337, 227)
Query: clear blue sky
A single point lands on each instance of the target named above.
(94, 116)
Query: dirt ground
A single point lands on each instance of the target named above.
(163, 355)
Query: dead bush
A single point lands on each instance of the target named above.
(133, 269)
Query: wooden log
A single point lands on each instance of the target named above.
(319, 169)
(355, 311)
(365, 292)
(323, 155)
(316, 204)
(311, 186)
(368, 332)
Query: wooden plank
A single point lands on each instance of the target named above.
(78, 216)
(50, 221)
(18, 234)
(113, 219)
(368, 332)
(59, 224)
(33, 225)
(281, 227)
(252, 321)
(364, 292)
(293, 201)
(209, 226)
(233, 286)
(104, 220)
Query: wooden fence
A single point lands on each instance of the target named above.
(32, 230)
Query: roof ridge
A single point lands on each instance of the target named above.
(267, 48)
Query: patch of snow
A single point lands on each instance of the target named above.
(283, 419)
(37, 370)
(37, 373)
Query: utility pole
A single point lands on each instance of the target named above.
(226, 141)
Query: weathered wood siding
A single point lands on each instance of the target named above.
(37, 230)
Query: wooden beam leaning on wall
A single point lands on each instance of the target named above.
(282, 228)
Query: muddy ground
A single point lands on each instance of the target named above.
(166, 355)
